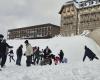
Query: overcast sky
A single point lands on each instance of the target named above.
(21, 13)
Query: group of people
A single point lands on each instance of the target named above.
(34, 55)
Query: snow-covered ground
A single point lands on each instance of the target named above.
(75, 69)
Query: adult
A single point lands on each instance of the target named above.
(61, 55)
(47, 52)
(89, 54)
(1, 38)
(4, 50)
(28, 53)
(37, 56)
(47, 57)
(19, 53)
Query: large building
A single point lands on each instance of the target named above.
(34, 32)
(79, 17)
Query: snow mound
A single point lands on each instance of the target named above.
(75, 69)
(73, 47)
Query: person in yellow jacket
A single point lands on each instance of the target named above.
(28, 53)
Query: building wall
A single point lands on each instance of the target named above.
(68, 20)
(40, 31)
(76, 20)
(89, 18)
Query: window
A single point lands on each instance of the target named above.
(68, 9)
(64, 10)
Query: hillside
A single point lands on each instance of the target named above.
(75, 69)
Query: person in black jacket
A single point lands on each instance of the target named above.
(19, 53)
(61, 55)
(89, 54)
(4, 51)
(47, 52)
(1, 38)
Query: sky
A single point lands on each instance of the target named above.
(22, 13)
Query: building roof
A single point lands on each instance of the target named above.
(89, 6)
(66, 4)
(79, 3)
(41, 25)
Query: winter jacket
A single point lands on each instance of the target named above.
(4, 47)
(47, 51)
(89, 54)
(19, 51)
(0, 49)
(29, 50)
(61, 54)
(11, 53)
(37, 53)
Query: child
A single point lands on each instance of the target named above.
(57, 60)
(11, 55)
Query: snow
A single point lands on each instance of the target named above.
(75, 69)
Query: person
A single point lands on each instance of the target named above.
(33, 55)
(19, 53)
(41, 55)
(37, 56)
(55, 58)
(7, 46)
(1, 38)
(47, 52)
(61, 55)
(11, 55)
(47, 57)
(89, 54)
(28, 53)
(4, 51)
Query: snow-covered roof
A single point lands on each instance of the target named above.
(81, 4)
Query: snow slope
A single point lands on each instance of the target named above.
(73, 47)
(75, 69)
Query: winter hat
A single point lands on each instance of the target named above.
(1, 36)
(26, 41)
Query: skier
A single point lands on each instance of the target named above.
(89, 54)
(19, 53)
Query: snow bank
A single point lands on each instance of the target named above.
(75, 69)
(73, 47)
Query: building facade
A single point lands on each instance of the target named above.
(68, 19)
(34, 32)
(84, 15)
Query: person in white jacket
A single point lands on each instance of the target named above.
(28, 53)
